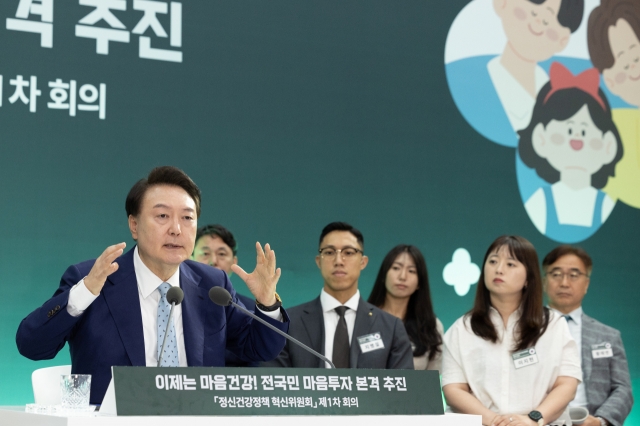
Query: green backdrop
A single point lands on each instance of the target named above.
(288, 115)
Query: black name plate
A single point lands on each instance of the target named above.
(148, 391)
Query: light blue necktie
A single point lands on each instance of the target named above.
(170, 356)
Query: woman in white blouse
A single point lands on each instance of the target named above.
(510, 359)
(402, 289)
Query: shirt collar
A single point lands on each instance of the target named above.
(330, 303)
(148, 282)
(576, 315)
(513, 318)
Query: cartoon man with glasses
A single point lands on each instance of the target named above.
(340, 324)
(606, 389)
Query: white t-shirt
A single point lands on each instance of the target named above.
(489, 369)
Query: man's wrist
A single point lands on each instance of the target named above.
(603, 422)
(271, 307)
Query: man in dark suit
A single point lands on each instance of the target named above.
(113, 310)
(606, 387)
(340, 324)
(216, 246)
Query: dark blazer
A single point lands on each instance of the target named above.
(231, 359)
(307, 325)
(110, 333)
(606, 380)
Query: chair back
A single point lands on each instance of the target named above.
(46, 384)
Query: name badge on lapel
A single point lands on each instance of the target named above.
(370, 342)
(525, 357)
(602, 350)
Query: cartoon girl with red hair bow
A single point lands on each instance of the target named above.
(573, 144)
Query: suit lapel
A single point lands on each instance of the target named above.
(313, 322)
(363, 325)
(588, 339)
(121, 295)
(194, 308)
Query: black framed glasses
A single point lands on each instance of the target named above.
(346, 252)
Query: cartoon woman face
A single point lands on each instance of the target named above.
(575, 146)
(623, 78)
(533, 29)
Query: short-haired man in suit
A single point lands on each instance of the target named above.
(339, 323)
(606, 387)
(216, 246)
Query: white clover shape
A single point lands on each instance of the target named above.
(461, 273)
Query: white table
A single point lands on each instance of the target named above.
(15, 416)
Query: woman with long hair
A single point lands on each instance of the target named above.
(510, 359)
(402, 289)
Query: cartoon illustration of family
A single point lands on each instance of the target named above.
(576, 155)
(573, 144)
(614, 48)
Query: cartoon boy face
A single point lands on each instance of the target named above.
(533, 29)
(623, 78)
(574, 147)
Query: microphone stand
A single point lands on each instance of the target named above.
(282, 333)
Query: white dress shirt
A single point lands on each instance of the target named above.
(489, 370)
(331, 317)
(575, 328)
(80, 298)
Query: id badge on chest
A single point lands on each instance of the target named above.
(602, 350)
(525, 358)
(370, 342)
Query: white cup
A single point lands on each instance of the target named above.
(578, 415)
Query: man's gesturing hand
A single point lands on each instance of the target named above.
(262, 281)
(103, 267)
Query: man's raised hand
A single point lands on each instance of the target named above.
(105, 265)
(262, 281)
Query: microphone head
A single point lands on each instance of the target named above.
(175, 295)
(220, 296)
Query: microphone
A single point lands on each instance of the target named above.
(174, 296)
(221, 297)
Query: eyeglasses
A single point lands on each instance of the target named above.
(347, 253)
(571, 275)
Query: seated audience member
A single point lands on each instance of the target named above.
(606, 389)
(402, 289)
(510, 359)
(216, 246)
(109, 309)
(339, 322)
